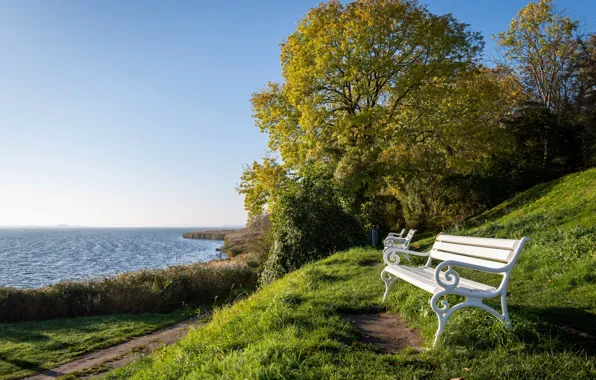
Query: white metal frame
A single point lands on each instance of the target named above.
(394, 240)
(398, 235)
(468, 252)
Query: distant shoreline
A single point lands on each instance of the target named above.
(235, 241)
(208, 234)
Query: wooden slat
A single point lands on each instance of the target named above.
(424, 278)
(463, 282)
(422, 283)
(472, 250)
(479, 242)
(439, 255)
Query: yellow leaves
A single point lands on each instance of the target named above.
(537, 49)
(258, 182)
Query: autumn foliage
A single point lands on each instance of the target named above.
(408, 121)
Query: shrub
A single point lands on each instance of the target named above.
(308, 223)
(154, 291)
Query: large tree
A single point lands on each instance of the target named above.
(379, 92)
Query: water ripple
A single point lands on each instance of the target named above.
(31, 258)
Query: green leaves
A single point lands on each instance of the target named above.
(367, 84)
(538, 51)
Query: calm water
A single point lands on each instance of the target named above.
(31, 257)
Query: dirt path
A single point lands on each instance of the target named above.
(386, 331)
(108, 359)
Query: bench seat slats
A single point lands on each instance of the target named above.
(444, 256)
(424, 278)
(476, 251)
(480, 242)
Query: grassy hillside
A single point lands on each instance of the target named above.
(293, 327)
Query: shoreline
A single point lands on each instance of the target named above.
(235, 241)
(208, 234)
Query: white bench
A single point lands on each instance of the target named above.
(398, 235)
(395, 241)
(483, 254)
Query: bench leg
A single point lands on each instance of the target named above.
(388, 279)
(443, 310)
(505, 319)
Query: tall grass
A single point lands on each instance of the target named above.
(145, 291)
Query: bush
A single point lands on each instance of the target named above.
(146, 291)
(308, 224)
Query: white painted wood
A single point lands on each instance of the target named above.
(468, 283)
(425, 279)
(496, 254)
(444, 256)
(483, 254)
(478, 242)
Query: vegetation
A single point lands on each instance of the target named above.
(145, 291)
(308, 224)
(292, 328)
(250, 241)
(394, 104)
(29, 347)
(208, 234)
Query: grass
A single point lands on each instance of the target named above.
(29, 347)
(293, 328)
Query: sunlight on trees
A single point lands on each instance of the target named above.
(393, 104)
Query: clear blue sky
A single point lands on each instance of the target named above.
(137, 113)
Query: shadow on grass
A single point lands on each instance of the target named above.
(574, 327)
(28, 365)
(23, 335)
(525, 197)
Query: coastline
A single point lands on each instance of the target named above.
(235, 241)
(208, 234)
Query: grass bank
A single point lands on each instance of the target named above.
(145, 291)
(293, 328)
(26, 348)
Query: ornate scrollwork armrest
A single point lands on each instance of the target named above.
(392, 257)
(451, 276)
(390, 240)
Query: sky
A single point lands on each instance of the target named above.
(137, 113)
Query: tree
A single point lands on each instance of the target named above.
(584, 109)
(258, 183)
(308, 223)
(542, 54)
(371, 81)
(538, 52)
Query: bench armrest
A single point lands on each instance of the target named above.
(390, 240)
(452, 277)
(391, 256)
(395, 235)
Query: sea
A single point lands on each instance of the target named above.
(35, 257)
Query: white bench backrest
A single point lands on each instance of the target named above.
(475, 250)
(410, 234)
